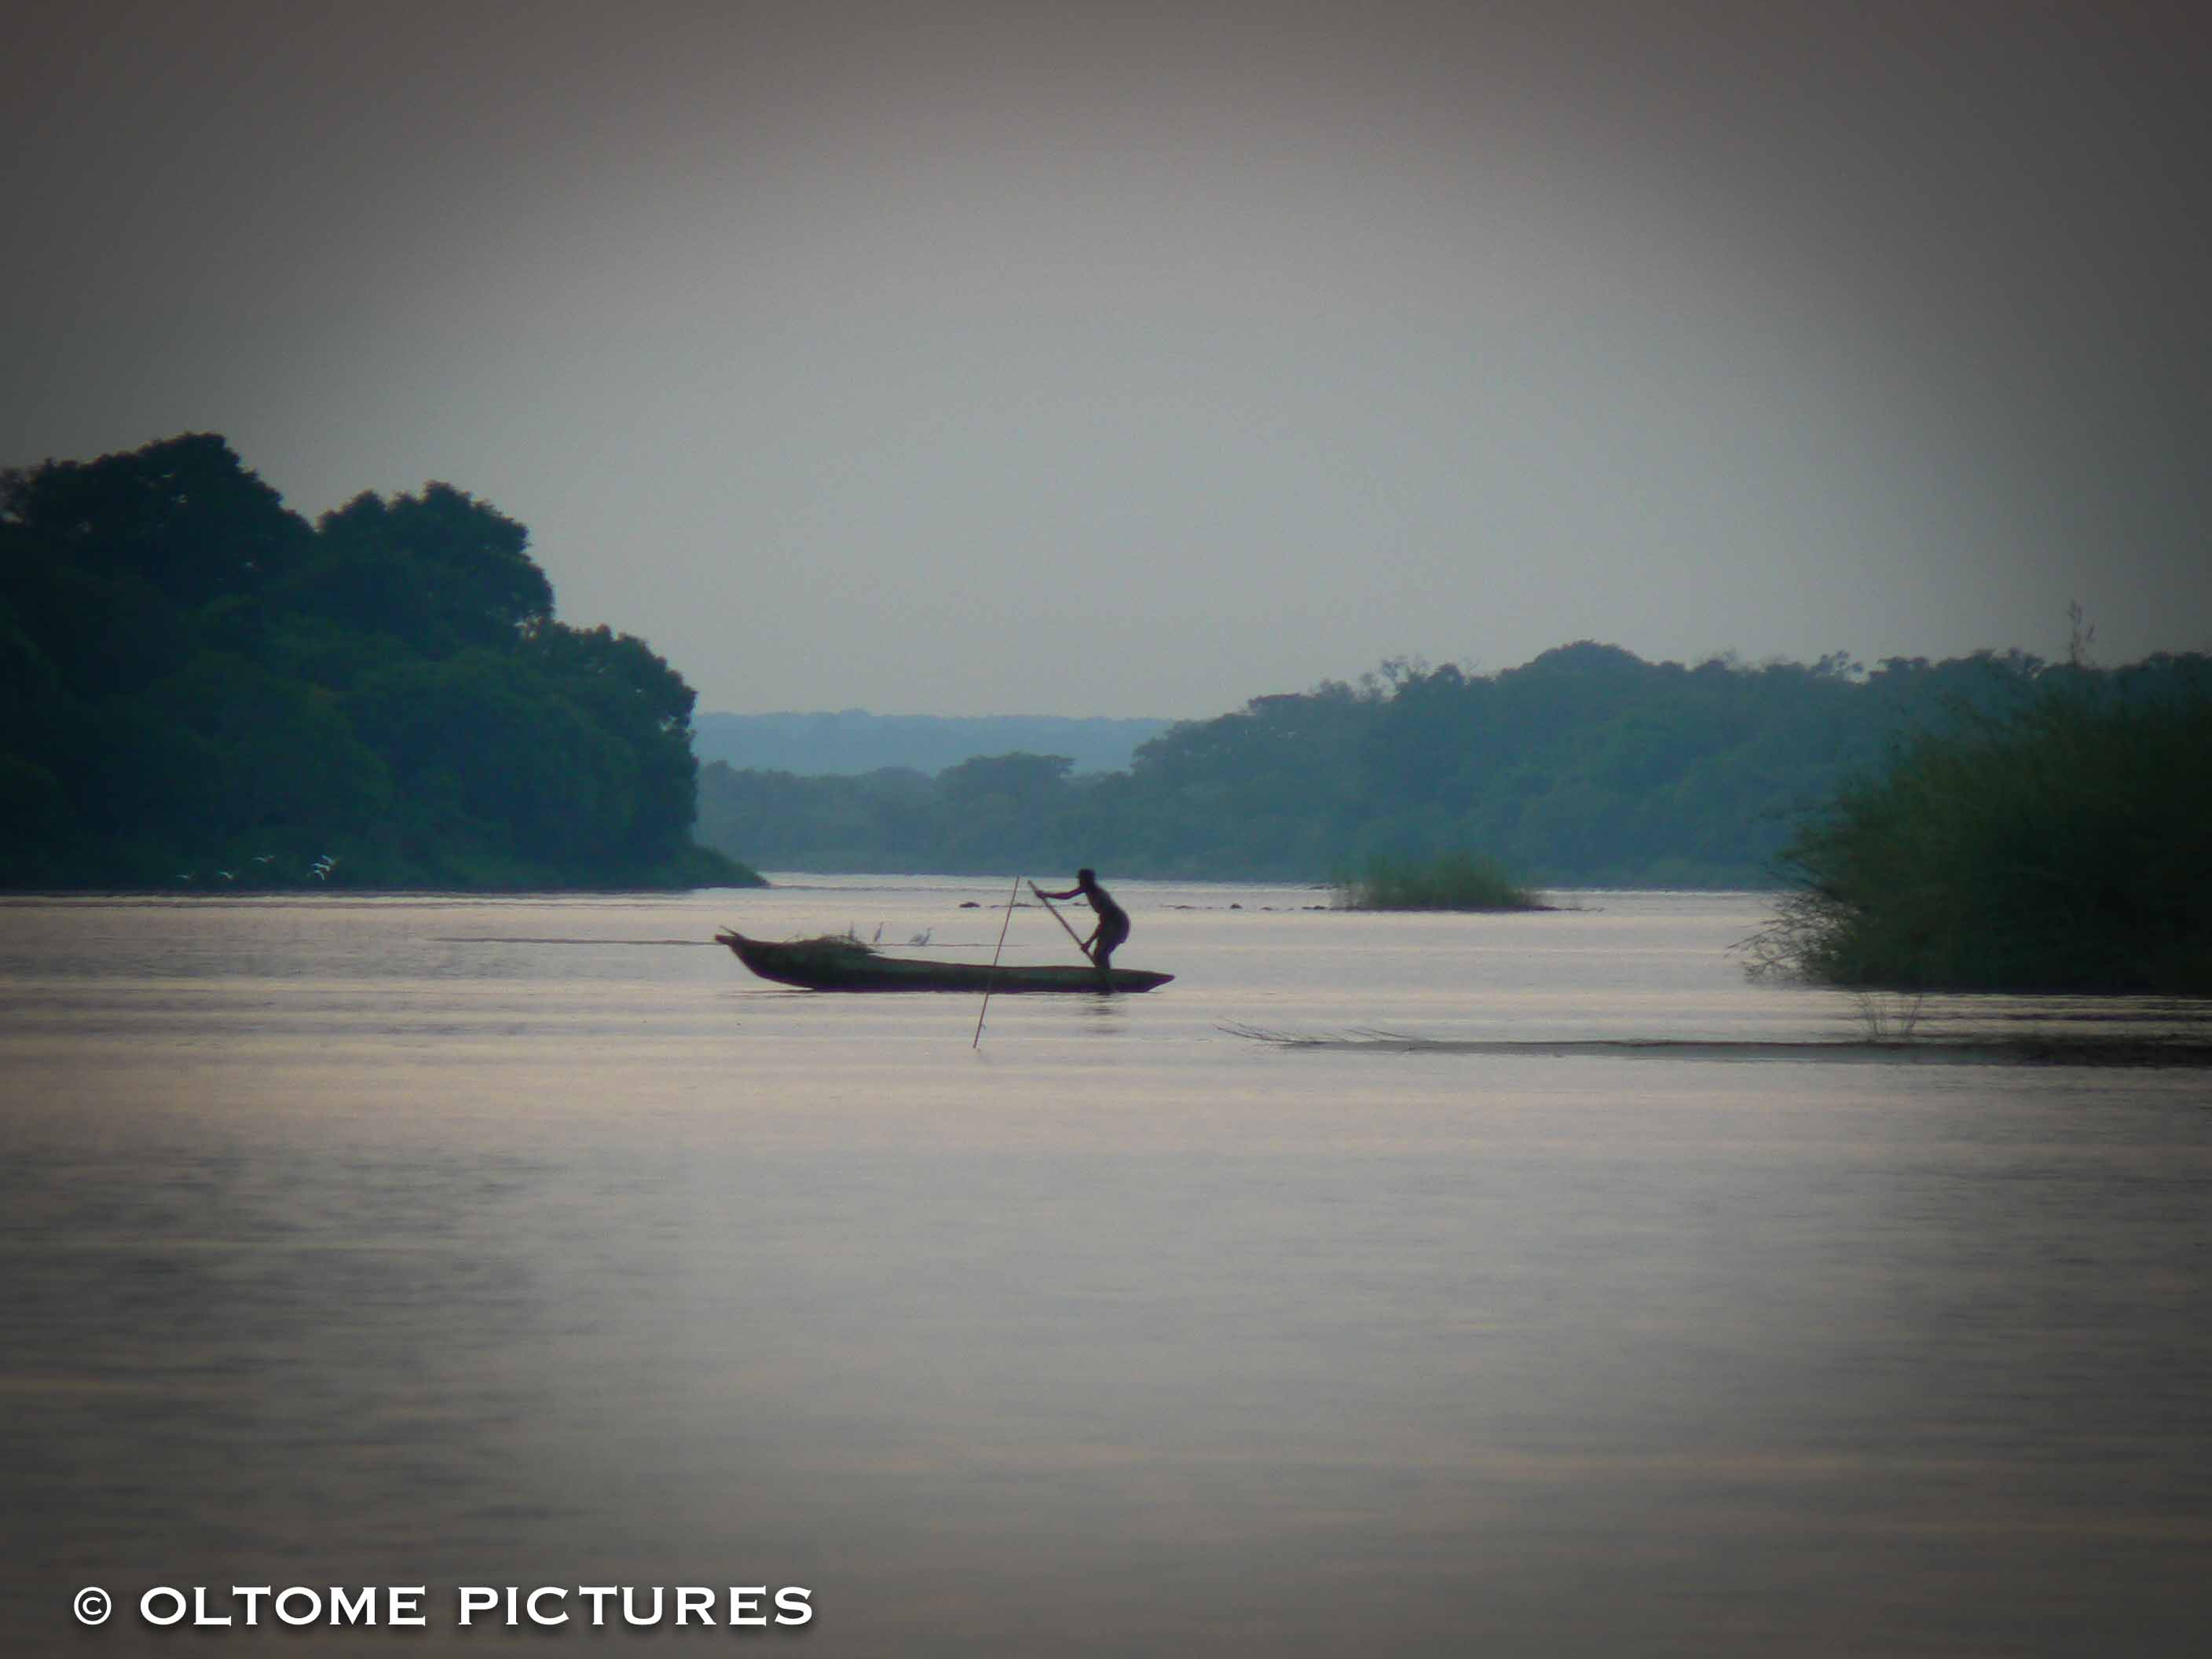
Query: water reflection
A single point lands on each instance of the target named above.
(492, 1241)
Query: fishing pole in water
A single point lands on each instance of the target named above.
(977, 1041)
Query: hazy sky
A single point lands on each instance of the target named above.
(1140, 359)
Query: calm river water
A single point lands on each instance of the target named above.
(459, 1242)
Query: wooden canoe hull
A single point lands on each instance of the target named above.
(807, 966)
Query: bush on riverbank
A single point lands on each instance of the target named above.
(1448, 881)
(2067, 847)
(201, 692)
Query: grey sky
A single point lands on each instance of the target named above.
(1138, 360)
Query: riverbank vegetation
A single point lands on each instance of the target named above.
(1446, 881)
(199, 690)
(2066, 845)
(1586, 767)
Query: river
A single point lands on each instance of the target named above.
(459, 1242)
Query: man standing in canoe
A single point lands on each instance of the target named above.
(1113, 921)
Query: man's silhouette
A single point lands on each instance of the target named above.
(1113, 921)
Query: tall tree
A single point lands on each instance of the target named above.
(191, 679)
(184, 515)
(441, 571)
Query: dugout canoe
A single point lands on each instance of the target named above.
(836, 963)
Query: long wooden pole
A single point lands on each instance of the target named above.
(1062, 921)
(978, 1042)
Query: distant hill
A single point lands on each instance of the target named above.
(852, 741)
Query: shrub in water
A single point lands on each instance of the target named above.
(1448, 881)
(2067, 847)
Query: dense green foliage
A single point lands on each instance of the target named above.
(1585, 767)
(1447, 881)
(199, 687)
(2065, 846)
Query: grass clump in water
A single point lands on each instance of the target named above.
(2066, 847)
(1444, 881)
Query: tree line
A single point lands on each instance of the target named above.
(1587, 766)
(199, 688)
